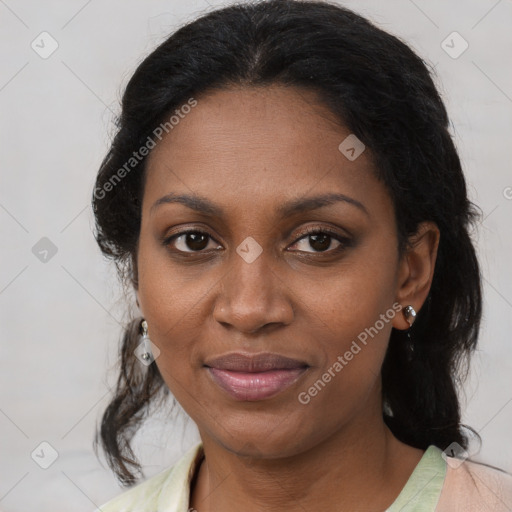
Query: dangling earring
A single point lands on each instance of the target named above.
(146, 354)
(410, 316)
(146, 351)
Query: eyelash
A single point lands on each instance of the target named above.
(344, 241)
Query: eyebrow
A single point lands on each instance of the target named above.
(203, 205)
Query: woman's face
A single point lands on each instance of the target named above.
(256, 282)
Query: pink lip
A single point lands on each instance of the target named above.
(254, 377)
(254, 386)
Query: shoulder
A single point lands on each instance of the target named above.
(473, 486)
(167, 491)
(145, 495)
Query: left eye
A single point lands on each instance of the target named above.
(320, 240)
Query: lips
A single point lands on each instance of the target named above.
(253, 377)
(239, 362)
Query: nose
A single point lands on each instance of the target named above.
(253, 296)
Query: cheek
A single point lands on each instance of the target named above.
(351, 316)
(354, 299)
(169, 293)
(169, 302)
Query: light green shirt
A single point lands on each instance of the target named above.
(433, 486)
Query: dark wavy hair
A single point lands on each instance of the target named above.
(383, 92)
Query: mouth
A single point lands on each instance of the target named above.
(252, 377)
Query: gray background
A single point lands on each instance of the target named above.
(60, 317)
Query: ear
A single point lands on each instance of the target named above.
(139, 307)
(134, 276)
(416, 270)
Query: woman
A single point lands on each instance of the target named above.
(287, 203)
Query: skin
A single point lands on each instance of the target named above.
(249, 150)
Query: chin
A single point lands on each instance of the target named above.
(263, 439)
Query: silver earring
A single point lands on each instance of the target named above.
(410, 314)
(146, 354)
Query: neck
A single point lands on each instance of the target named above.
(357, 468)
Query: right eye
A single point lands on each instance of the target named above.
(194, 240)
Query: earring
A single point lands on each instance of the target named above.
(410, 314)
(146, 354)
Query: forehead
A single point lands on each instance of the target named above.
(258, 145)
